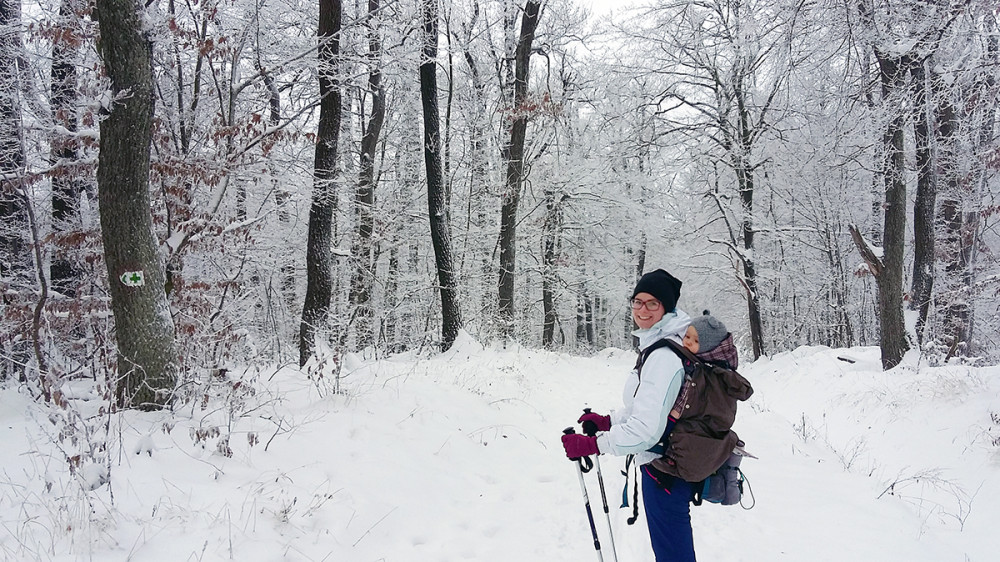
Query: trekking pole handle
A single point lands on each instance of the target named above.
(586, 465)
(589, 427)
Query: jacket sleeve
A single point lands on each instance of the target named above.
(641, 426)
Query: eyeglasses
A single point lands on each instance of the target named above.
(651, 305)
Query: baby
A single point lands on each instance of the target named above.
(707, 338)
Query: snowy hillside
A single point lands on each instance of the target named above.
(457, 457)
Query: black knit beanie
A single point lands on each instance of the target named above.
(665, 287)
(711, 331)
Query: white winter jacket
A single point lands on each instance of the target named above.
(640, 423)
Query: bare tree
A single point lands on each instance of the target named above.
(888, 267)
(14, 255)
(147, 358)
(12, 159)
(922, 284)
(451, 315)
(727, 64)
(66, 185)
(892, 330)
(513, 156)
(319, 255)
(551, 246)
(364, 251)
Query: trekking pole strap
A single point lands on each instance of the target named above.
(745, 480)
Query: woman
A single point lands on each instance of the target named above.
(650, 393)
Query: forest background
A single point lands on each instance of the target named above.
(193, 185)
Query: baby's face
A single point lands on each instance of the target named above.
(691, 340)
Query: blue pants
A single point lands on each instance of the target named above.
(668, 515)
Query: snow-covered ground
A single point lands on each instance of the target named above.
(457, 457)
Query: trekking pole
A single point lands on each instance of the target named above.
(590, 428)
(584, 464)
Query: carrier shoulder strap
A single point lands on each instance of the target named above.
(644, 354)
(688, 359)
(682, 351)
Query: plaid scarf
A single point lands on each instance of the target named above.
(725, 353)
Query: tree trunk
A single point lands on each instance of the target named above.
(66, 186)
(14, 251)
(13, 219)
(740, 154)
(147, 358)
(478, 222)
(551, 232)
(926, 199)
(390, 321)
(892, 329)
(953, 297)
(282, 197)
(514, 160)
(451, 317)
(319, 254)
(363, 252)
(746, 188)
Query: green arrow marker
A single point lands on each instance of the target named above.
(133, 279)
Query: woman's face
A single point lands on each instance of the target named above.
(641, 313)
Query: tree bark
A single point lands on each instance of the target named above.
(926, 199)
(147, 358)
(953, 296)
(14, 255)
(66, 186)
(551, 234)
(514, 160)
(892, 329)
(363, 252)
(740, 150)
(319, 254)
(746, 188)
(451, 317)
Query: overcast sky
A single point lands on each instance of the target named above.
(601, 6)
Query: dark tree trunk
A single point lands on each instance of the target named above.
(740, 154)
(953, 296)
(551, 233)
(892, 330)
(66, 187)
(926, 199)
(364, 251)
(14, 255)
(319, 254)
(746, 187)
(147, 358)
(451, 317)
(514, 160)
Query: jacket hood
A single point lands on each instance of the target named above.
(672, 325)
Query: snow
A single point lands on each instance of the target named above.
(457, 457)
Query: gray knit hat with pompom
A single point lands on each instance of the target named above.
(711, 331)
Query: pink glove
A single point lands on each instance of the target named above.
(592, 423)
(577, 445)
